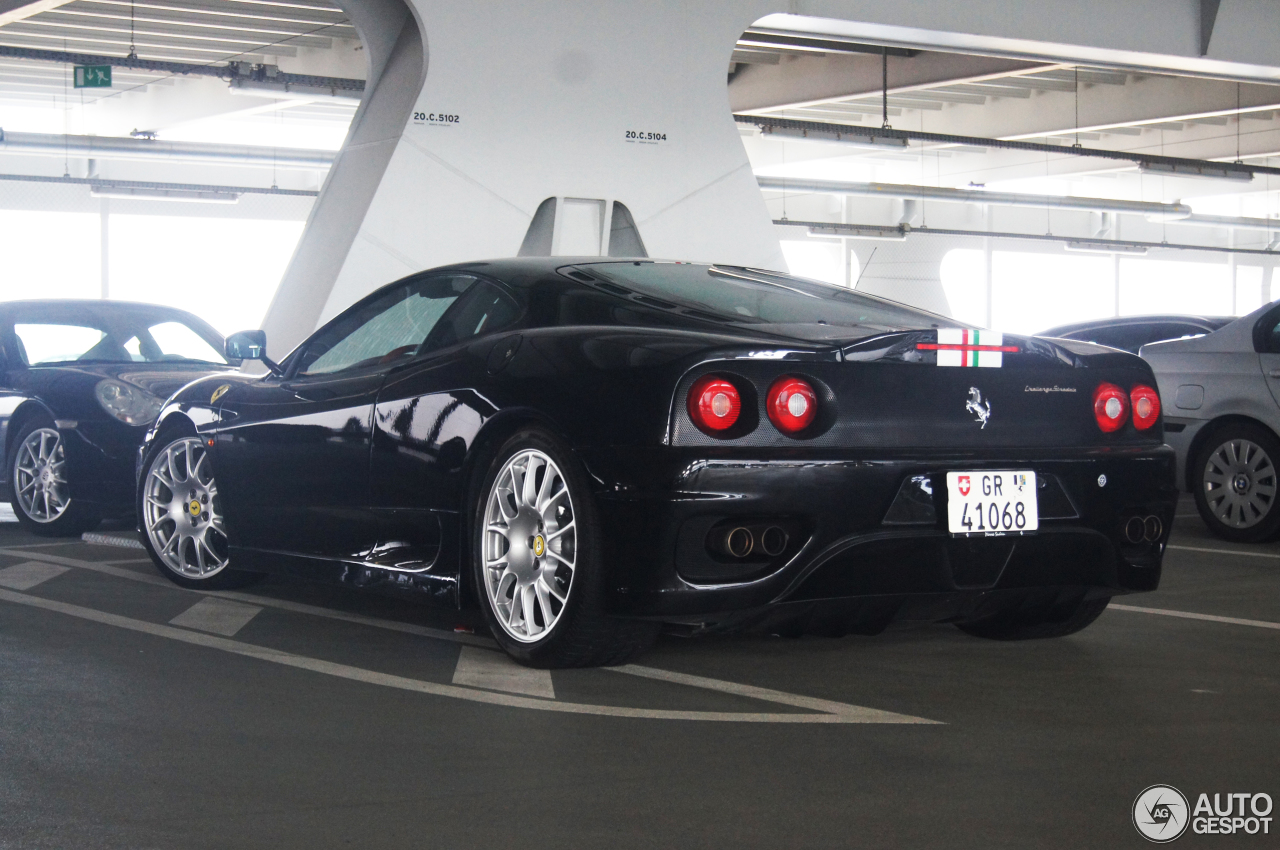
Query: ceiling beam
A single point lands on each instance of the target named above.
(18, 10)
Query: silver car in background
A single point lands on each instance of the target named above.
(1221, 398)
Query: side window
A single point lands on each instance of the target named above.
(385, 329)
(1272, 340)
(484, 309)
(1113, 337)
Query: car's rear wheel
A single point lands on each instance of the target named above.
(1236, 483)
(40, 480)
(536, 561)
(1038, 622)
(184, 531)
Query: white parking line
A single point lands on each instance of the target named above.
(1218, 551)
(1188, 615)
(27, 575)
(219, 616)
(845, 714)
(266, 601)
(494, 671)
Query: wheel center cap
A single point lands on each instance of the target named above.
(539, 546)
(194, 507)
(1240, 483)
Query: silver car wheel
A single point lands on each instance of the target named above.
(529, 545)
(1240, 483)
(181, 510)
(40, 476)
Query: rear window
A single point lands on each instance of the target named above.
(744, 296)
(55, 343)
(111, 336)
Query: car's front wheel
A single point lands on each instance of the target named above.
(184, 531)
(40, 480)
(537, 565)
(1236, 483)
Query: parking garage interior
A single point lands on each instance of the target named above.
(1011, 166)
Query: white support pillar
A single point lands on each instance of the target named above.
(988, 279)
(1233, 273)
(104, 238)
(1115, 284)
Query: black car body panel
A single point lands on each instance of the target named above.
(368, 479)
(100, 448)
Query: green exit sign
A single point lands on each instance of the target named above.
(93, 76)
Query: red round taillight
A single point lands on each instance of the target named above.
(714, 403)
(792, 404)
(1146, 406)
(1110, 407)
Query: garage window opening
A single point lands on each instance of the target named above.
(1031, 291)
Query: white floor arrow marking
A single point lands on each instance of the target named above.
(219, 616)
(494, 671)
(28, 575)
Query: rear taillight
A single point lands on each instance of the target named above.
(1146, 406)
(714, 403)
(1110, 407)
(792, 404)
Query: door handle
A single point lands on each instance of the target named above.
(312, 393)
(1275, 373)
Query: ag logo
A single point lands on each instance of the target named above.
(963, 483)
(1160, 813)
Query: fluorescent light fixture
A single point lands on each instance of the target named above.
(971, 196)
(291, 91)
(1086, 246)
(188, 195)
(1181, 169)
(892, 232)
(1176, 215)
(815, 135)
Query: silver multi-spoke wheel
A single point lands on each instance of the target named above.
(40, 476)
(181, 510)
(1240, 483)
(529, 545)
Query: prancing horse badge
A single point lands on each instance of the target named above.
(980, 409)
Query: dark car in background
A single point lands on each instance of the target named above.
(80, 382)
(590, 448)
(1130, 333)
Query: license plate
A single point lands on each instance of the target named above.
(991, 503)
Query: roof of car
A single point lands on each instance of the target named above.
(87, 303)
(1209, 323)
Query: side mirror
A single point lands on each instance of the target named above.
(246, 345)
(249, 345)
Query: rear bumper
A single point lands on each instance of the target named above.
(657, 506)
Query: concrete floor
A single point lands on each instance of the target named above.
(134, 714)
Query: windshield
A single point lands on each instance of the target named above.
(772, 300)
(111, 337)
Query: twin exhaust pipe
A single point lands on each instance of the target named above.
(1143, 529)
(743, 540)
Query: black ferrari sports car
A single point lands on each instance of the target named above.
(80, 381)
(592, 449)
